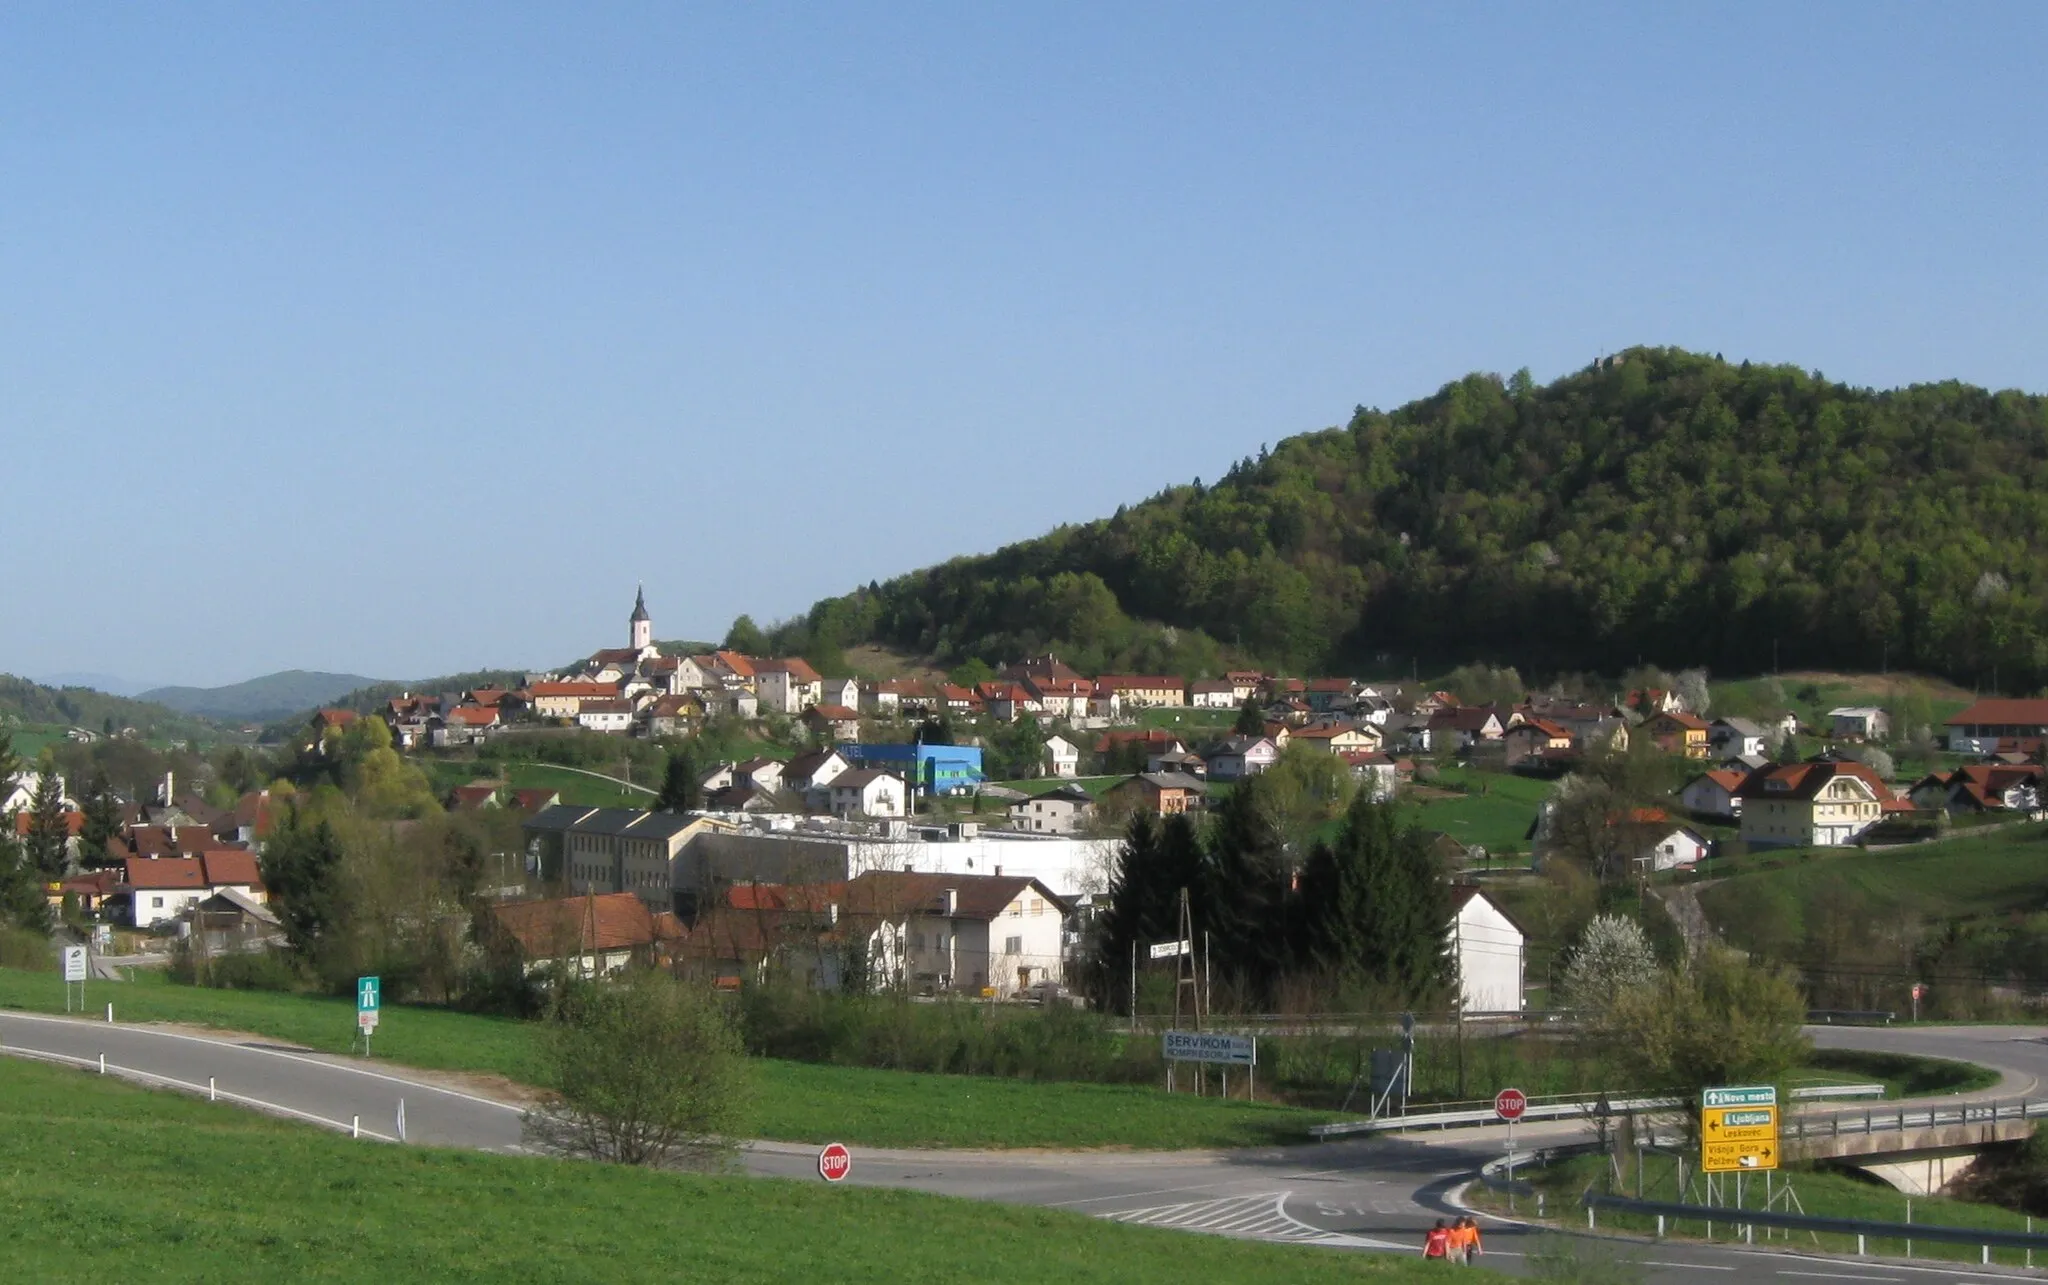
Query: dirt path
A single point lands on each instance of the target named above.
(1682, 903)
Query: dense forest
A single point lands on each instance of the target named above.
(96, 711)
(1659, 505)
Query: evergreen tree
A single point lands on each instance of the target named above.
(22, 903)
(1247, 901)
(1159, 857)
(680, 789)
(302, 869)
(1251, 721)
(48, 830)
(1375, 905)
(10, 762)
(102, 821)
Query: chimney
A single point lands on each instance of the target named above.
(832, 913)
(169, 782)
(952, 901)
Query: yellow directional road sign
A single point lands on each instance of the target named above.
(1730, 1157)
(1739, 1124)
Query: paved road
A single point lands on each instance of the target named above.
(1368, 1194)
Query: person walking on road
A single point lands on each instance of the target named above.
(1437, 1243)
(1465, 1240)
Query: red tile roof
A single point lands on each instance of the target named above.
(236, 866)
(473, 716)
(577, 925)
(796, 667)
(587, 689)
(836, 713)
(336, 717)
(163, 874)
(2000, 713)
(74, 823)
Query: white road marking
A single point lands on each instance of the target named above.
(1260, 1216)
(1691, 1267)
(1839, 1276)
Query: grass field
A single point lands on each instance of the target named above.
(1034, 786)
(1495, 812)
(104, 1181)
(1995, 874)
(796, 1101)
(1811, 695)
(1821, 1193)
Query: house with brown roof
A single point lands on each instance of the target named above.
(869, 792)
(904, 696)
(1143, 691)
(475, 795)
(1817, 804)
(1161, 793)
(161, 888)
(1066, 698)
(1983, 787)
(612, 715)
(594, 935)
(1713, 794)
(1677, 732)
(1535, 740)
(988, 935)
(835, 721)
(565, 699)
(1982, 727)
(1338, 738)
(787, 685)
(1214, 693)
(673, 715)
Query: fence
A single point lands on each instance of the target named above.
(1863, 1230)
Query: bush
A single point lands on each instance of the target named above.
(262, 970)
(649, 1071)
(22, 949)
(956, 1037)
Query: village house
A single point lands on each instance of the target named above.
(591, 935)
(1535, 739)
(1672, 848)
(1489, 951)
(1244, 684)
(835, 721)
(812, 774)
(1143, 691)
(1338, 738)
(1736, 738)
(1065, 698)
(868, 792)
(1859, 723)
(1982, 787)
(607, 850)
(839, 691)
(1214, 693)
(1989, 725)
(1237, 757)
(787, 686)
(1820, 804)
(1060, 811)
(1162, 793)
(1326, 695)
(1379, 775)
(1713, 794)
(1462, 726)
(673, 715)
(1676, 732)
(1061, 757)
(564, 700)
(605, 715)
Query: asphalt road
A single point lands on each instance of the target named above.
(1376, 1194)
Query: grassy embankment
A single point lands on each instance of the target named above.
(1966, 876)
(796, 1101)
(101, 1180)
(1821, 1192)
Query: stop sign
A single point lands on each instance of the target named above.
(1509, 1104)
(835, 1162)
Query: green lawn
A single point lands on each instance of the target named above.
(585, 791)
(103, 1181)
(1095, 785)
(1902, 1074)
(1994, 874)
(1822, 1193)
(798, 1102)
(1495, 812)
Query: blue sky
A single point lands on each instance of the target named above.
(402, 339)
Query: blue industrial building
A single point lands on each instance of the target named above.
(939, 769)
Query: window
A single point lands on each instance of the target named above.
(156, 903)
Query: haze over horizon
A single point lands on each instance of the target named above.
(403, 342)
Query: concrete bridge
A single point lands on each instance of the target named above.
(1915, 1149)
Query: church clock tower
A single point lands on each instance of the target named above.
(643, 626)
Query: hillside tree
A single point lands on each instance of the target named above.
(682, 789)
(49, 832)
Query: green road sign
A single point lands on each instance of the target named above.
(1760, 1095)
(368, 993)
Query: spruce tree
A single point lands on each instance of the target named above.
(102, 821)
(1251, 721)
(48, 830)
(1375, 905)
(680, 789)
(22, 903)
(302, 869)
(1247, 899)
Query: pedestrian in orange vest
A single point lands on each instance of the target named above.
(1465, 1240)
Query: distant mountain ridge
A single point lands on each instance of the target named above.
(260, 699)
(96, 711)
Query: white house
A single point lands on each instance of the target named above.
(1060, 811)
(1862, 722)
(1713, 794)
(787, 686)
(162, 888)
(605, 715)
(1062, 756)
(991, 935)
(1490, 951)
(19, 795)
(868, 792)
(1678, 846)
(812, 774)
(1735, 738)
(1238, 757)
(839, 691)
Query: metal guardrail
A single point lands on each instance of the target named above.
(1578, 1108)
(1857, 1227)
(1899, 1120)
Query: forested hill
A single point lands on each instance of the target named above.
(23, 701)
(1659, 505)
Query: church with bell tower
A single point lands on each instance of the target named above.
(643, 624)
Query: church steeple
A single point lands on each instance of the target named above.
(643, 624)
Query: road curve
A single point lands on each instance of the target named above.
(1369, 1194)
